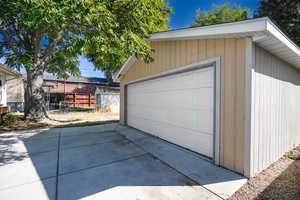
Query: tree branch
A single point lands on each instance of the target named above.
(23, 38)
(51, 45)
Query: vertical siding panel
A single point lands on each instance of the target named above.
(183, 53)
(202, 50)
(220, 51)
(229, 107)
(277, 85)
(211, 48)
(278, 108)
(178, 53)
(253, 114)
(240, 106)
(261, 113)
(167, 56)
(153, 44)
(256, 114)
(173, 54)
(272, 113)
(267, 134)
(162, 59)
(193, 49)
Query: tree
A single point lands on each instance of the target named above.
(220, 14)
(145, 17)
(48, 35)
(286, 13)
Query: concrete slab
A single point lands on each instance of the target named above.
(138, 178)
(216, 179)
(34, 146)
(39, 190)
(95, 138)
(28, 169)
(38, 133)
(131, 133)
(73, 131)
(78, 158)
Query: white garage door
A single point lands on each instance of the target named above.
(178, 108)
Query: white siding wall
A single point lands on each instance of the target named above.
(3, 89)
(275, 108)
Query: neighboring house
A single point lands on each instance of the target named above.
(73, 92)
(230, 92)
(15, 94)
(76, 91)
(5, 76)
(107, 99)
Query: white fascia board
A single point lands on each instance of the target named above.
(125, 67)
(247, 26)
(277, 33)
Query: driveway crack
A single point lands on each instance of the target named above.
(57, 165)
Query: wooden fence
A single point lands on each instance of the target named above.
(79, 100)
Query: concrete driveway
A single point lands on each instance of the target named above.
(106, 162)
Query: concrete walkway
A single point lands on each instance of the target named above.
(106, 162)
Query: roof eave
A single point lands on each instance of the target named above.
(257, 29)
(213, 31)
(9, 72)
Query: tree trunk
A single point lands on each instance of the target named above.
(109, 77)
(35, 108)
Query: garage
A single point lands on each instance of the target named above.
(177, 107)
(227, 91)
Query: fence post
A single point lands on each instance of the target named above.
(74, 100)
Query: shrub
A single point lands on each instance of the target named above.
(8, 119)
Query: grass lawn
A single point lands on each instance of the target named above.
(61, 118)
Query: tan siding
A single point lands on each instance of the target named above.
(169, 55)
(276, 118)
(240, 103)
(229, 103)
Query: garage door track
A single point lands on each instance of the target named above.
(106, 162)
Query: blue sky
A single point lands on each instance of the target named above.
(182, 17)
(184, 10)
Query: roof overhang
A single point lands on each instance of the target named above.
(262, 31)
(8, 71)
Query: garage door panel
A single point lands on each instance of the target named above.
(189, 80)
(204, 141)
(189, 99)
(198, 120)
(178, 108)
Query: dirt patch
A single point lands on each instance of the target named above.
(280, 181)
(62, 119)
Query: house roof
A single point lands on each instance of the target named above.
(80, 79)
(8, 71)
(262, 31)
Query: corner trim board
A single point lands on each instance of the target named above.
(249, 67)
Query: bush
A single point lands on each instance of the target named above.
(8, 119)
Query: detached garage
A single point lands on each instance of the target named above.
(229, 92)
